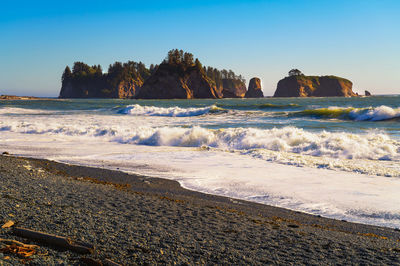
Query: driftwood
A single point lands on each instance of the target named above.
(15, 242)
(53, 240)
(18, 248)
(7, 224)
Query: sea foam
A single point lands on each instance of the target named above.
(372, 145)
(175, 111)
(375, 114)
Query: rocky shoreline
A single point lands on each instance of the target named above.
(13, 97)
(133, 219)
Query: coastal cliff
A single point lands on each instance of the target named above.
(299, 85)
(255, 90)
(233, 88)
(172, 81)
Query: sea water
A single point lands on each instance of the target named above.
(335, 157)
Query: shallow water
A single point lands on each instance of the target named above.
(336, 157)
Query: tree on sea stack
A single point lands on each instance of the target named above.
(295, 72)
(67, 75)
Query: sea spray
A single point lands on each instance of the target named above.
(175, 111)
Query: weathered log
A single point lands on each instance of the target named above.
(59, 241)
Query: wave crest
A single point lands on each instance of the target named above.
(380, 113)
(375, 114)
(175, 111)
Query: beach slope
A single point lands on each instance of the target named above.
(133, 219)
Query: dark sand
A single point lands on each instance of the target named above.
(138, 220)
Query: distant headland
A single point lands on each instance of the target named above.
(14, 97)
(180, 76)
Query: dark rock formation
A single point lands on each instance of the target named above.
(179, 76)
(121, 81)
(314, 86)
(233, 88)
(177, 82)
(254, 90)
(367, 93)
(123, 89)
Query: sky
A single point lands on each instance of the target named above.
(354, 39)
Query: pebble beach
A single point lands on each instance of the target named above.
(133, 219)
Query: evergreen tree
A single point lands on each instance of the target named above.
(198, 65)
(67, 75)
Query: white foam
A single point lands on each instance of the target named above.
(375, 114)
(340, 195)
(175, 111)
(16, 110)
(287, 145)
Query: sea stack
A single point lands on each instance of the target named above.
(299, 85)
(177, 82)
(367, 93)
(255, 90)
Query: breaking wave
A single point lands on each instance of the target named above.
(380, 113)
(373, 146)
(140, 110)
(258, 106)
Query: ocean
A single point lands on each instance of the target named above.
(334, 157)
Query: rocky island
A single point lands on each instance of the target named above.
(299, 85)
(179, 76)
(255, 90)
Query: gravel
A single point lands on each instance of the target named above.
(138, 220)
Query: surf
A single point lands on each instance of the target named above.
(139, 110)
(380, 113)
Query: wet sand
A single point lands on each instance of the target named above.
(134, 219)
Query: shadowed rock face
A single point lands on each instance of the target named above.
(254, 90)
(100, 89)
(174, 82)
(313, 86)
(128, 89)
(233, 88)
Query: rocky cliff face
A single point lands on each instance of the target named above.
(100, 89)
(313, 86)
(128, 89)
(233, 88)
(254, 90)
(174, 82)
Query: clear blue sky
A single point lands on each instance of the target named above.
(358, 40)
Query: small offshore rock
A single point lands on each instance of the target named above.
(255, 90)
